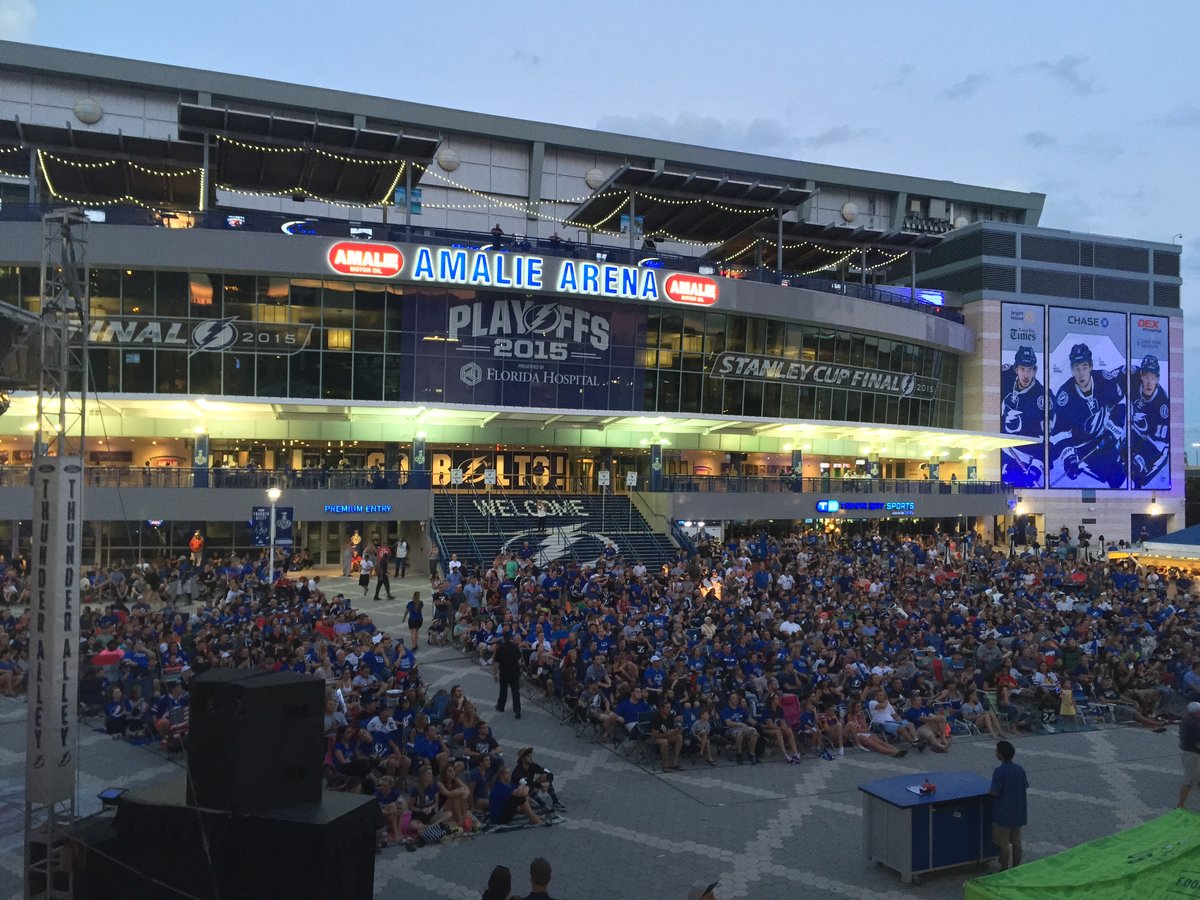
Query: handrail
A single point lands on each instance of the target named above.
(436, 536)
(461, 522)
(768, 484)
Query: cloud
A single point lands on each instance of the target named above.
(901, 76)
(968, 87)
(17, 18)
(529, 60)
(759, 135)
(839, 134)
(1040, 139)
(1067, 71)
(1179, 117)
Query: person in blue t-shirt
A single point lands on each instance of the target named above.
(1009, 786)
(116, 713)
(507, 799)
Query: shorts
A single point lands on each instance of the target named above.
(1191, 767)
(890, 727)
(1003, 836)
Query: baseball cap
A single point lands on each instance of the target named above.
(1193, 707)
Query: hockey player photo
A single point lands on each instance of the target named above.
(1022, 412)
(1149, 427)
(1087, 426)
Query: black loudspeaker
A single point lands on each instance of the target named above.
(159, 848)
(255, 740)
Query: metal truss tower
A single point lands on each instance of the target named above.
(51, 728)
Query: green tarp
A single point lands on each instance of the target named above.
(1160, 859)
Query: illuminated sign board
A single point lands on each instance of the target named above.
(756, 367)
(486, 268)
(343, 508)
(891, 507)
(364, 259)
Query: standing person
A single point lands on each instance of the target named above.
(401, 558)
(415, 611)
(365, 565)
(347, 557)
(1189, 749)
(539, 880)
(539, 476)
(381, 575)
(540, 513)
(434, 555)
(508, 665)
(1009, 785)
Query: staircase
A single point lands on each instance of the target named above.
(477, 526)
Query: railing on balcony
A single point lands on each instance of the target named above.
(266, 222)
(745, 484)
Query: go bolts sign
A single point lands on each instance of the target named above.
(530, 273)
(366, 259)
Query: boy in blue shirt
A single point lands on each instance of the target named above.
(1009, 785)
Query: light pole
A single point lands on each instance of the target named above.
(1196, 455)
(273, 494)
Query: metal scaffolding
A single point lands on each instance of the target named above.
(51, 727)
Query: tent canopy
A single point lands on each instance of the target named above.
(1160, 858)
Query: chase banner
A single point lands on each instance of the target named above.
(1023, 393)
(1088, 412)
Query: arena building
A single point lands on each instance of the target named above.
(419, 321)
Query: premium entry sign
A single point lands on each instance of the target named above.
(754, 367)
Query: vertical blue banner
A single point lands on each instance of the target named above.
(418, 471)
(798, 461)
(260, 526)
(656, 473)
(1150, 407)
(1023, 394)
(935, 471)
(1087, 368)
(200, 461)
(285, 521)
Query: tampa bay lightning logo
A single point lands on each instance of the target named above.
(908, 385)
(569, 542)
(214, 335)
(542, 319)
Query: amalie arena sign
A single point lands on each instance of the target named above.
(417, 264)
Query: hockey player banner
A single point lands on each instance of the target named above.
(1149, 405)
(1088, 409)
(1023, 394)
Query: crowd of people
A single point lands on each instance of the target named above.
(782, 644)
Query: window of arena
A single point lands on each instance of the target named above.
(393, 343)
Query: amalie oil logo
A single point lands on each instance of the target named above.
(364, 259)
(694, 290)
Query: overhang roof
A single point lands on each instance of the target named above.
(247, 418)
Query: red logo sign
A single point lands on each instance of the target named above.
(1148, 323)
(363, 259)
(695, 290)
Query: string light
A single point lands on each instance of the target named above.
(288, 193)
(74, 164)
(738, 210)
(10, 149)
(160, 173)
(391, 191)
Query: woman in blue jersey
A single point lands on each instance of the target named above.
(116, 713)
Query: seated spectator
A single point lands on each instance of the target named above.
(859, 731)
(885, 717)
(539, 780)
(740, 728)
(507, 800)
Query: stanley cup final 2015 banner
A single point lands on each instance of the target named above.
(1149, 405)
(1088, 410)
(1023, 394)
(54, 629)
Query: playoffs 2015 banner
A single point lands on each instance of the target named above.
(1023, 394)
(1149, 404)
(1088, 409)
(510, 350)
